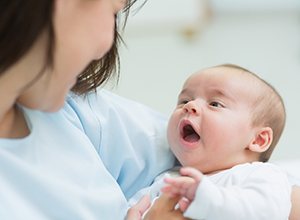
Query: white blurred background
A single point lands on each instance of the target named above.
(167, 40)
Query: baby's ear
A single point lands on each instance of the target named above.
(262, 140)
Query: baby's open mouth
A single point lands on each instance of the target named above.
(189, 134)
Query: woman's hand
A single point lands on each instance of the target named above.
(295, 212)
(162, 209)
(136, 212)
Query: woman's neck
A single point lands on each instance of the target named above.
(13, 83)
(13, 124)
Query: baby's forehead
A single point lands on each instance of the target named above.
(219, 73)
(224, 71)
(223, 78)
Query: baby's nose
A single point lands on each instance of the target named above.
(191, 108)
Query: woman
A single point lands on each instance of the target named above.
(64, 155)
(75, 156)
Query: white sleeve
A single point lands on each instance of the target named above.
(263, 195)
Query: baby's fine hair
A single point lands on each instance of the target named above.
(268, 109)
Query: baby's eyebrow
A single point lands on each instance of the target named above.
(218, 92)
(222, 93)
(183, 92)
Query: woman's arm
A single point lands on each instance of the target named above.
(295, 212)
(116, 124)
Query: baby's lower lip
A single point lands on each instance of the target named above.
(188, 144)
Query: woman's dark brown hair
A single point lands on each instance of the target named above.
(21, 23)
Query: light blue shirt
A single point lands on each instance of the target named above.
(82, 162)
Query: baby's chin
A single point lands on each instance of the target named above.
(202, 167)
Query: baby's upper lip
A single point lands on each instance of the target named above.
(188, 131)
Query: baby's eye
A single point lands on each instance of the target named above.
(216, 104)
(182, 102)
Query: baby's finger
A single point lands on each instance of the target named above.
(170, 190)
(191, 172)
(183, 204)
(179, 182)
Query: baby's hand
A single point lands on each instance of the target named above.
(184, 186)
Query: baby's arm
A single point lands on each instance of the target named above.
(184, 186)
(249, 191)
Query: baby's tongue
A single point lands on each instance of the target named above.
(193, 137)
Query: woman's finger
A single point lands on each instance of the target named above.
(165, 208)
(167, 202)
(136, 212)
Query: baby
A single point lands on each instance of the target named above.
(226, 124)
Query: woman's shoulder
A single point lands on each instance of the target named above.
(103, 100)
(111, 109)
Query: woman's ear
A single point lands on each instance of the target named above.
(262, 140)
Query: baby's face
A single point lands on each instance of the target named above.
(210, 129)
